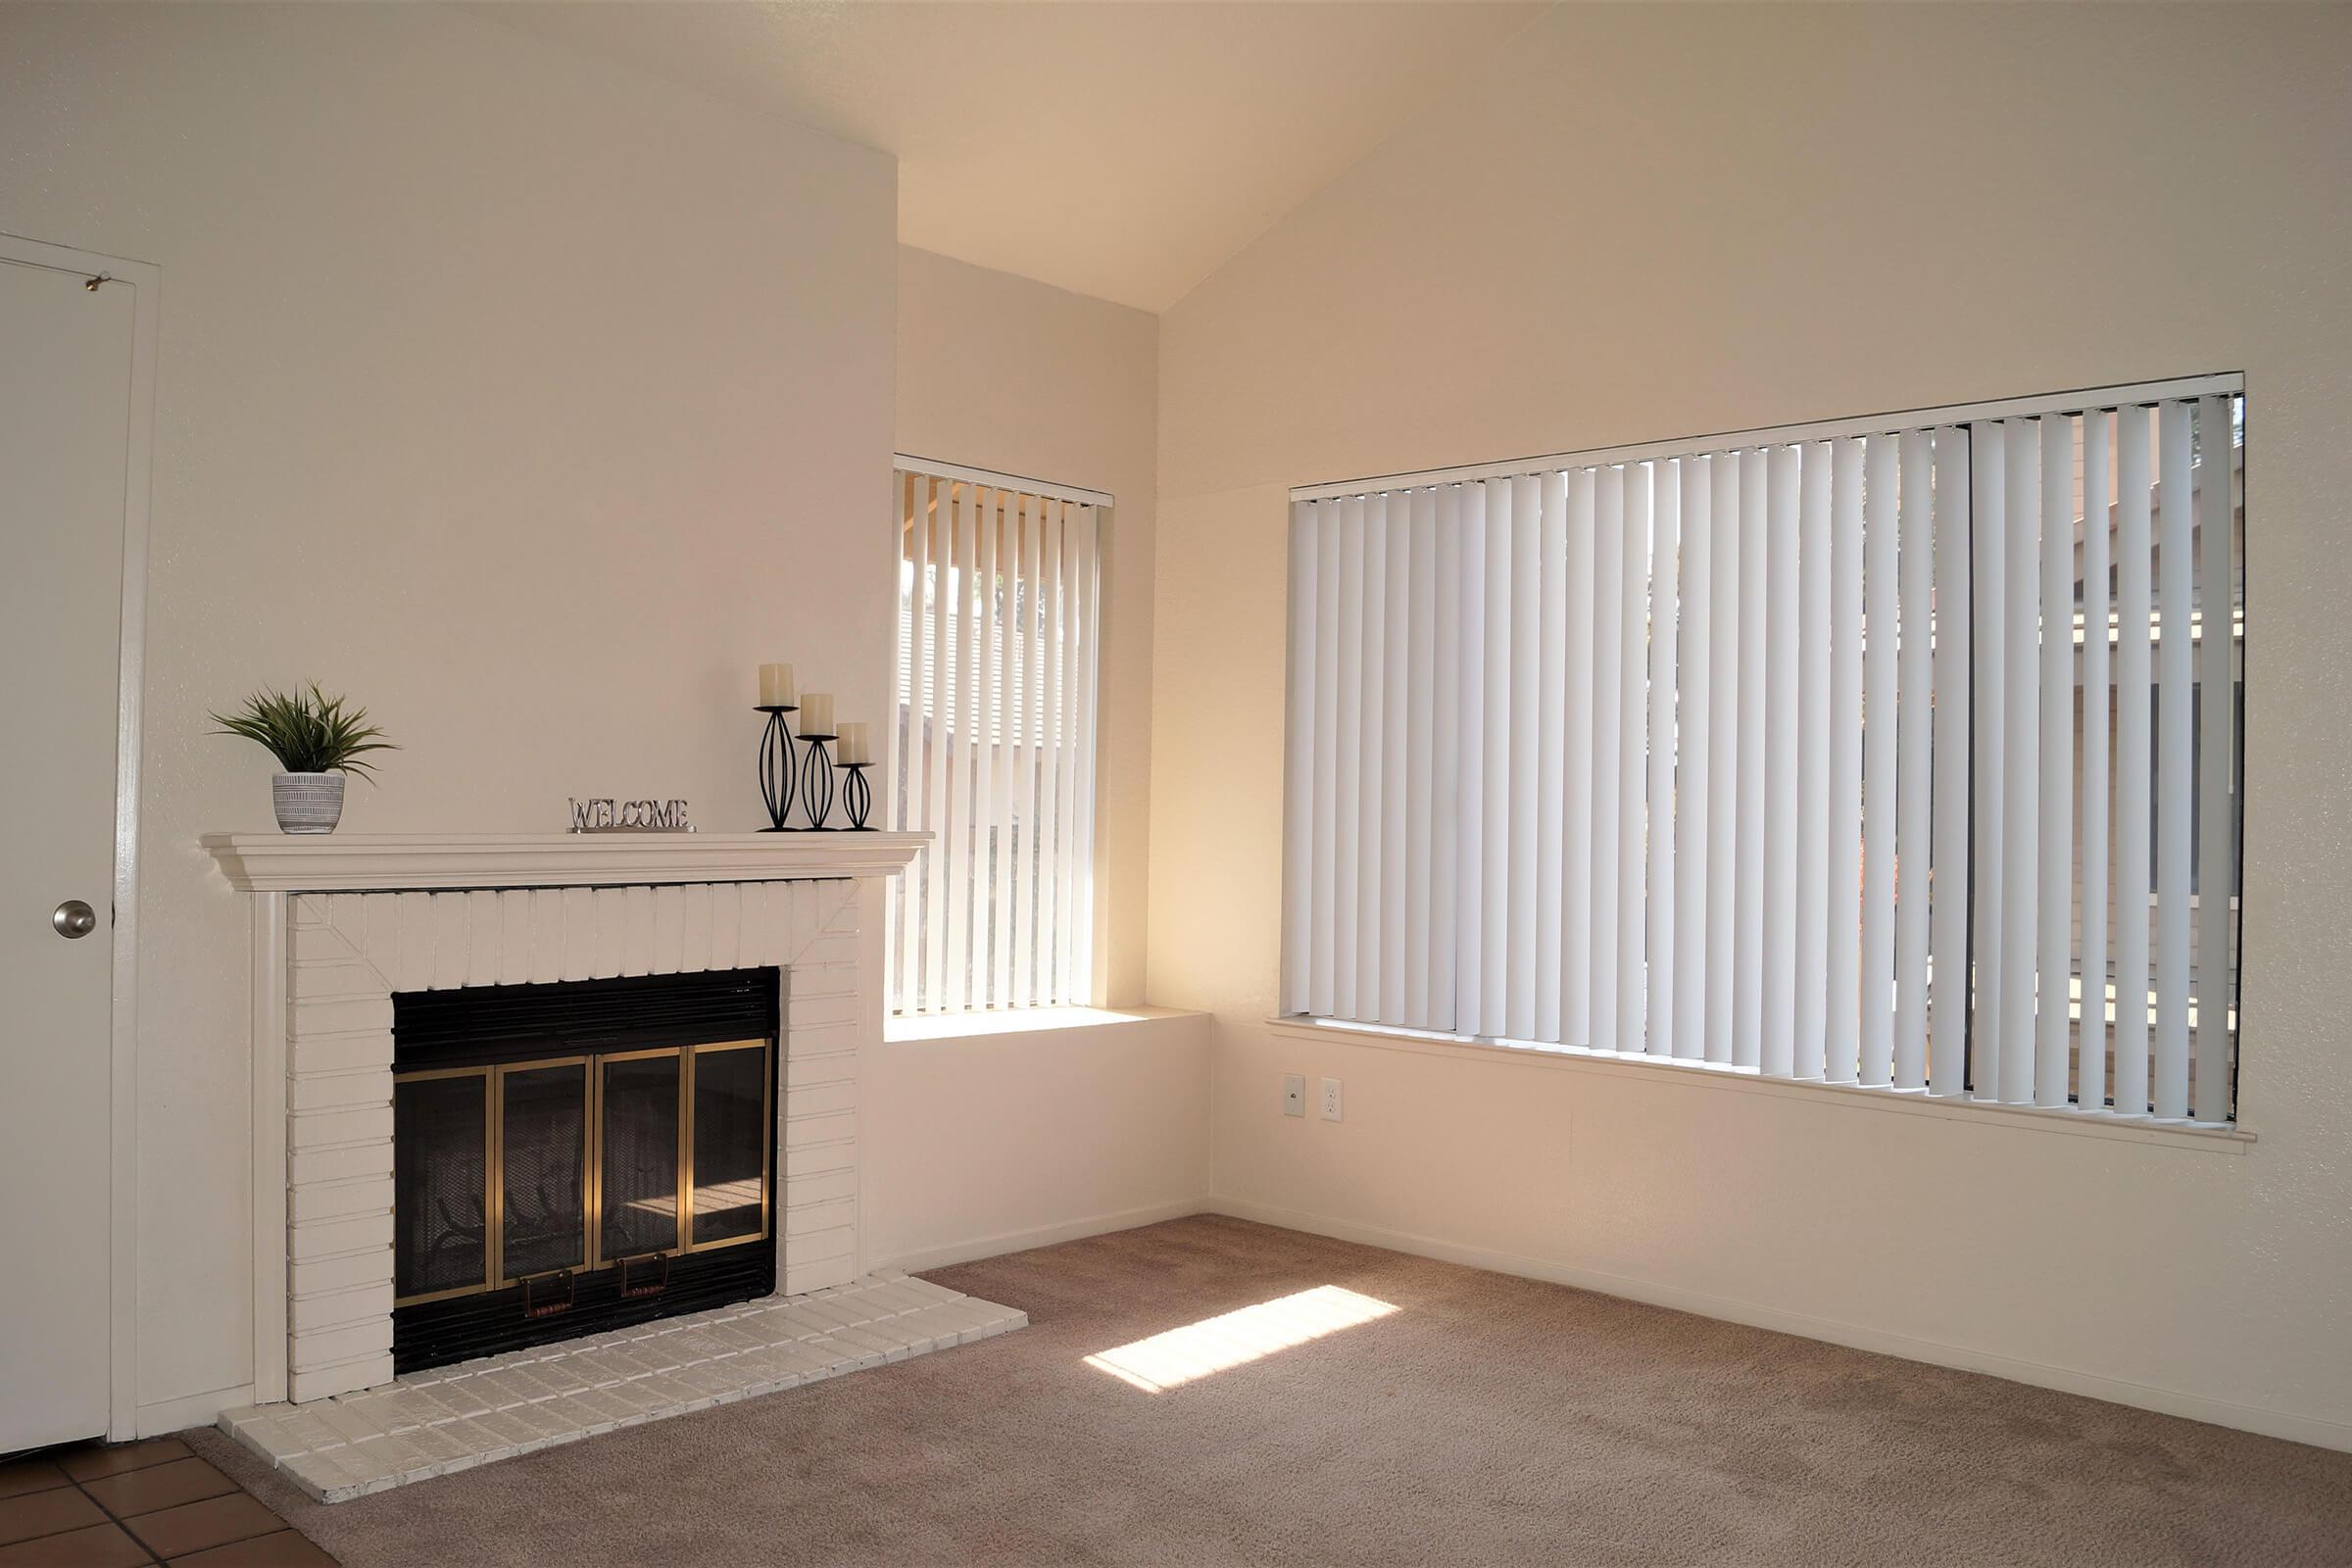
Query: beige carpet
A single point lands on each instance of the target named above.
(1487, 1420)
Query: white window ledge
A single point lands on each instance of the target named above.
(2231, 1139)
(1018, 1021)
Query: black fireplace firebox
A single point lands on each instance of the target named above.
(573, 1157)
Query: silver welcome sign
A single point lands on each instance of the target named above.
(606, 814)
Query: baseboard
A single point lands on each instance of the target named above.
(190, 1410)
(1045, 1236)
(2318, 1431)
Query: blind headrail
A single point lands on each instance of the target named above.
(901, 462)
(2217, 384)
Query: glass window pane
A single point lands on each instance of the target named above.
(730, 1143)
(640, 1155)
(544, 1150)
(440, 1174)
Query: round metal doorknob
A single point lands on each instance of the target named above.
(74, 919)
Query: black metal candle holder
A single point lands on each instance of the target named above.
(857, 796)
(816, 780)
(777, 767)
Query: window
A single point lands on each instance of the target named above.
(1771, 751)
(996, 744)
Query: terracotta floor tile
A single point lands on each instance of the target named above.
(46, 1513)
(286, 1550)
(162, 1485)
(96, 1547)
(195, 1526)
(30, 1475)
(88, 1464)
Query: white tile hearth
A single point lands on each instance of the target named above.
(452, 1418)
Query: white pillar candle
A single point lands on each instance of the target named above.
(854, 743)
(775, 685)
(816, 714)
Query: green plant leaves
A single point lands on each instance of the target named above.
(308, 732)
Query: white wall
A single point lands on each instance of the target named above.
(979, 1143)
(1648, 222)
(519, 396)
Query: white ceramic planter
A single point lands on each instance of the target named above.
(307, 802)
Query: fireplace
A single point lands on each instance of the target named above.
(577, 1156)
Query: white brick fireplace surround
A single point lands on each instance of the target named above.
(342, 922)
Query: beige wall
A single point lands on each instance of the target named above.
(1648, 222)
(997, 371)
(980, 1143)
(518, 395)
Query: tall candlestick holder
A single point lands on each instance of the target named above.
(816, 780)
(856, 796)
(778, 766)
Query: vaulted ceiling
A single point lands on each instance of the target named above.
(1123, 150)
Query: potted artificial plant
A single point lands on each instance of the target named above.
(317, 739)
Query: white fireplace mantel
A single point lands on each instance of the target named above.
(387, 862)
(342, 922)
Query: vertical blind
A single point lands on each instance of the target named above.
(1900, 752)
(996, 741)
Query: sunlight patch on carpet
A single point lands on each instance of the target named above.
(1235, 1338)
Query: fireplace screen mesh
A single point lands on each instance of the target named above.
(543, 1162)
(440, 1174)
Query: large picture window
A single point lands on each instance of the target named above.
(1850, 751)
(996, 747)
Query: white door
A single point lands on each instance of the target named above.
(65, 424)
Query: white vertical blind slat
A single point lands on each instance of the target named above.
(1694, 755)
(2055, 857)
(1665, 612)
(1841, 1036)
(1347, 843)
(991, 753)
(2097, 475)
(1908, 852)
(1298, 767)
(1809, 994)
(1726, 614)
(2021, 751)
(1550, 749)
(1323, 960)
(1632, 719)
(1881, 715)
(1446, 706)
(1085, 643)
(2175, 753)
(1948, 1009)
(1420, 795)
(2135, 751)
(1054, 875)
(1578, 743)
(1989, 532)
(969, 705)
(1749, 789)
(1495, 772)
(1372, 831)
(1783, 724)
(1470, 776)
(2216, 724)
(1526, 664)
(1395, 659)
(1608, 738)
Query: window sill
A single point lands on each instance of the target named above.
(2231, 1140)
(1018, 1021)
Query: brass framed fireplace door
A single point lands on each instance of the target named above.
(631, 1156)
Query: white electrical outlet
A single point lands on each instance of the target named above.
(1294, 1093)
(1330, 1100)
